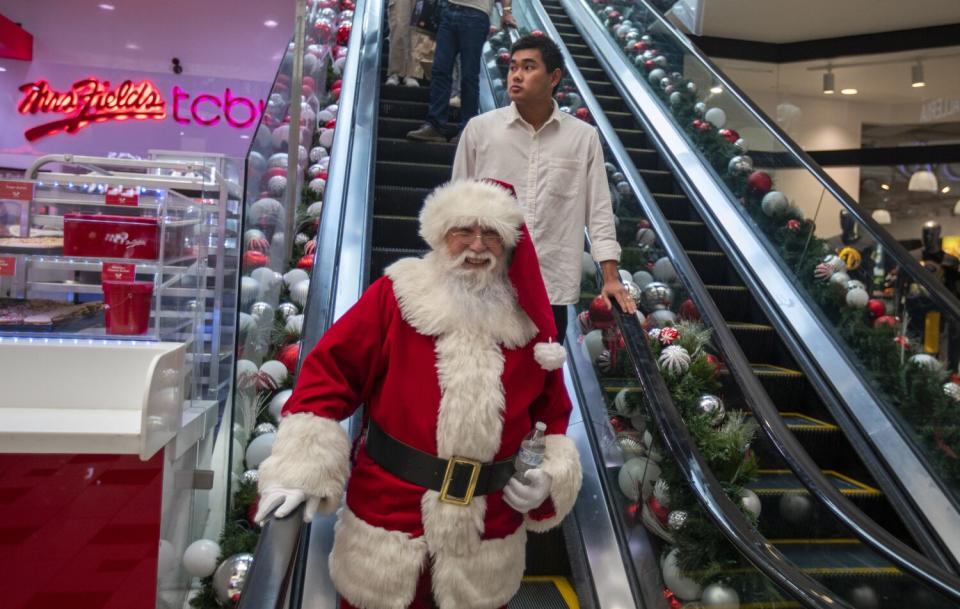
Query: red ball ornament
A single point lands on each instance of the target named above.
(322, 30)
(793, 225)
(619, 424)
(669, 335)
(583, 114)
(716, 363)
(343, 33)
(697, 123)
(706, 126)
(902, 340)
(631, 512)
(289, 355)
(306, 262)
(658, 510)
(649, 65)
(759, 182)
(876, 308)
(730, 135)
(253, 259)
(252, 511)
(885, 320)
(274, 172)
(688, 310)
(601, 314)
(640, 46)
(331, 124)
(503, 59)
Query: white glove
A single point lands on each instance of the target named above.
(525, 497)
(288, 499)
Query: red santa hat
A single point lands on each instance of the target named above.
(492, 205)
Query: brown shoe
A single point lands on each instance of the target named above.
(426, 133)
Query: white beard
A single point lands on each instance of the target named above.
(479, 296)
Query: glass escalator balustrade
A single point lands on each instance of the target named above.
(652, 494)
(903, 340)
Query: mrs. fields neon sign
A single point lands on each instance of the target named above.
(92, 100)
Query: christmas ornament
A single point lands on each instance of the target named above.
(716, 117)
(750, 502)
(636, 478)
(729, 134)
(876, 308)
(249, 291)
(318, 152)
(663, 270)
(654, 334)
(200, 558)
(630, 446)
(273, 374)
(633, 290)
(246, 373)
(254, 239)
(661, 491)
(865, 597)
(759, 182)
(269, 283)
(668, 336)
(689, 311)
(262, 311)
(245, 323)
(741, 146)
(656, 295)
(684, 587)
(276, 186)
(662, 317)
(251, 476)
(267, 212)
(952, 390)
(712, 407)
(625, 276)
(594, 344)
(720, 596)
(700, 108)
(926, 361)
(839, 278)
(834, 262)
(289, 356)
(230, 576)
(263, 428)
(295, 276)
(774, 203)
(676, 98)
(287, 310)
(316, 187)
(796, 508)
(903, 341)
(676, 519)
(605, 362)
(886, 320)
(299, 292)
(583, 114)
(277, 402)
(655, 75)
(601, 314)
(294, 325)
(584, 320)
(259, 449)
(851, 258)
(857, 298)
(793, 225)
(658, 510)
(646, 236)
(305, 262)
(674, 359)
(740, 165)
(824, 272)
(642, 279)
(854, 284)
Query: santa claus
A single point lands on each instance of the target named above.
(453, 356)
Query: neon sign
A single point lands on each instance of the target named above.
(89, 101)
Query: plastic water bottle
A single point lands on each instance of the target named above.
(531, 451)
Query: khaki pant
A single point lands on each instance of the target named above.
(409, 47)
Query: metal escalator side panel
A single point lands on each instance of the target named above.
(769, 280)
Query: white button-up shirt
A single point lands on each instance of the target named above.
(561, 183)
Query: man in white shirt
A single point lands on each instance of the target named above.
(555, 163)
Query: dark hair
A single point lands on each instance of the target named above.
(549, 51)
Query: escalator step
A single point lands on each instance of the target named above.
(397, 128)
(758, 341)
(397, 232)
(394, 108)
(382, 257)
(633, 138)
(602, 87)
(403, 93)
(393, 149)
(675, 206)
(398, 200)
(644, 158)
(611, 102)
(545, 593)
(422, 175)
(622, 120)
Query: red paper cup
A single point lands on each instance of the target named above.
(127, 306)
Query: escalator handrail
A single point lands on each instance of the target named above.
(765, 412)
(275, 552)
(946, 301)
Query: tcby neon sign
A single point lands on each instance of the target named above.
(91, 100)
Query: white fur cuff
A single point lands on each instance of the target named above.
(562, 461)
(550, 356)
(312, 454)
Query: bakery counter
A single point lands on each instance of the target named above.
(81, 396)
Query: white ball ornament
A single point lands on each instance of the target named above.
(280, 136)
(275, 370)
(319, 152)
(277, 402)
(684, 587)
(246, 323)
(642, 278)
(646, 236)
(276, 186)
(720, 596)
(927, 361)
(952, 391)
(246, 370)
(663, 270)
(854, 284)
(299, 292)
(267, 212)
(259, 449)
(857, 298)
(295, 276)
(637, 477)
(625, 276)
(716, 117)
(326, 137)
(663, 318)
(676, 98)
(249, 291)
(865, 597)
(773, 203)
(315, 210)
(840, 278)
(294, 325)
(656, 76)
(200, 558)
(751, 502)
(796, 508)
(316, 187)
(674, 359)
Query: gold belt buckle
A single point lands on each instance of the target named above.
(448, 476)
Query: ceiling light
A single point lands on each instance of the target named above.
(885, 186)
(881, 216)
(945, 189)
(850, 91)
(916, 76)
(270, 23)
(132, 46)
(244, 137)
(2, 69)
(828, 85)
(716, 89)
(106, 7)
(923, 181)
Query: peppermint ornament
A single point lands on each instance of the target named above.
(952, 390)
(668, 335)
(674, 359)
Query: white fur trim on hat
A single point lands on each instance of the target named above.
(549, 355)
(468, 202)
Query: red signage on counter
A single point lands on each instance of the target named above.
(122, 196)
(118, 271)
(11, 190)
(8, 266)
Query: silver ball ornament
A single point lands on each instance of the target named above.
(676, 98)
(676, 519)
(656, 295)
(741, 145)
(854, 284)
(720, 596)
(251, 475)
(796, 508)
(633, 290)
(288, 309)
(263, 428)
(700, 108)
(711, 406)
(740, 165)
(230, 576)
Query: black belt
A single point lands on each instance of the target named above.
(457, 479)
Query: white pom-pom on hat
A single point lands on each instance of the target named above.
(550, 355)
